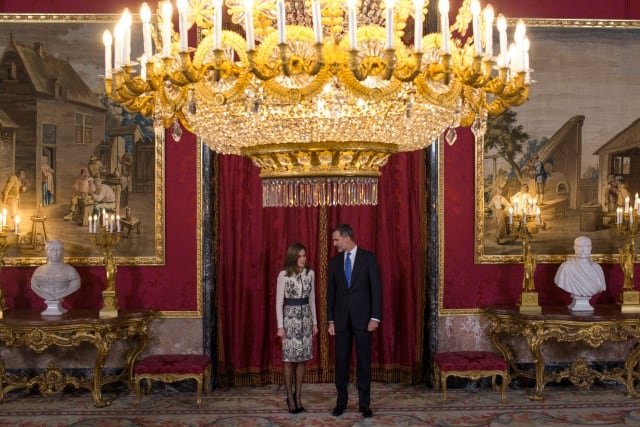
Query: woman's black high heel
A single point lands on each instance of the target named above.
(295, 409)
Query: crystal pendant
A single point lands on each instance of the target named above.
(450, 135)
(176, 131)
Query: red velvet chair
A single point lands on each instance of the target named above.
(470, 364)
(171, 368)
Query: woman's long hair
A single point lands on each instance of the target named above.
(291, 259)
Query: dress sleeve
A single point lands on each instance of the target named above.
(312, 297)
(280, 299)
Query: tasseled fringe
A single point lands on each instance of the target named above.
(315, 375)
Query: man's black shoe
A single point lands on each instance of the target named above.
(366, 412)
(338, 410)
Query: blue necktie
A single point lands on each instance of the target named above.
(347, 269)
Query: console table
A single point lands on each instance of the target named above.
(605, 323)
(28, 328)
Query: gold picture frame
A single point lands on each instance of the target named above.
(65, 123)
(576, 121)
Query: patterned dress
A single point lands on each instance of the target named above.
(296, 314)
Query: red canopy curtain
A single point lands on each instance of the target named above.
(252, 245)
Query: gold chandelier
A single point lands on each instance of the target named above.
(318, 93)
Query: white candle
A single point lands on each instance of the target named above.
(183, 26)
(248, 24)
(126, 41)
(501, 24)
(117, 45)
(143, 67)
(488, 28)
(626, 204)
(104, 217)
(351, 11)
(4, 217)
(282, 23)
(316, 15)
(90, 223)
(518, 37)
(17, 220)
(389, 19)
(525, 48)
(95, 223)
(217, 26)
(618, 215)
(118, 223)
(166, 11)
(475, 21)
(510, 216)
(107, 40)
(637, 202)
(112, 222)
(145, 16)
(537, 216)
(417, 30)
(443, 6)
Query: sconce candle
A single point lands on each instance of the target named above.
(145, 16)
(488, 28)
(17, 220)
(167, 11)
(475, 20)
(107, 40)
(183, 11)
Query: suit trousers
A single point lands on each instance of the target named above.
(344, 344)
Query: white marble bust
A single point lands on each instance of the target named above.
(580, 276)
(55, 280)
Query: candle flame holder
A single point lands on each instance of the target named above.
(521, 227)
(627, 225)
(106, 240)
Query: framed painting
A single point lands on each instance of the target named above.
(574, 146)
(68, 154)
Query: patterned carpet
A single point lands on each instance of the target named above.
(393, 405)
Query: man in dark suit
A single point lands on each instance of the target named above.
(354, 310)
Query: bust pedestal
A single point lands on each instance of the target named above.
(580, 304)
(54, 308)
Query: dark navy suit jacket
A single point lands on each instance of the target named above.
(360, 302)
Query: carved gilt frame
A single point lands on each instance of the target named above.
(108, 132)
(584, 78)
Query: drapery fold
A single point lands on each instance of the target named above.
(251, 249)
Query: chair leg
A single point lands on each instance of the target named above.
(443, 383)
(136, 382)
(505, 383)
(199, 390)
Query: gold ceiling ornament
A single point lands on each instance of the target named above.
(318, 93)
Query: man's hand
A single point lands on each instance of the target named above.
(281, 332)
(373, 325)
(332, 328)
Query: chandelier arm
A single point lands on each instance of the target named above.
(264, 73)
(190, 72)
(318, 63)
(408, 73)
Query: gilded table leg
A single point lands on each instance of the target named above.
(535, 347)
(630, 365)
(143, 341)
(102, 348)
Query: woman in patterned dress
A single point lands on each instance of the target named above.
(297, 324)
